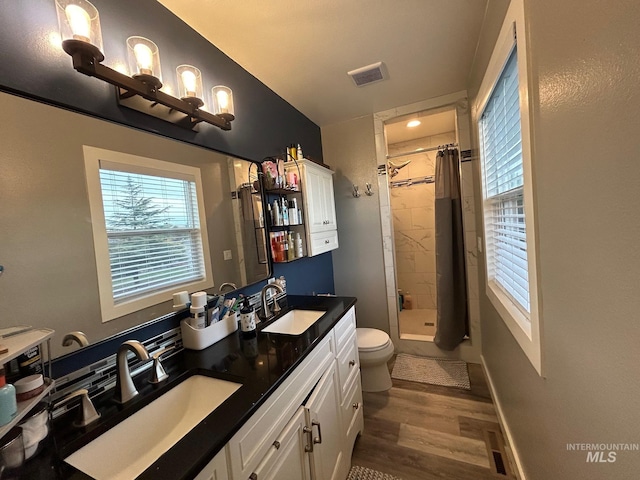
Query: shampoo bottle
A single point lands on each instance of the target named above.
(291, 252)
(277, 219)
(300, 157)
(285, 212)
(298, 243)
(293, 212)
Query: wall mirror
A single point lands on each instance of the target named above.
(46, 240)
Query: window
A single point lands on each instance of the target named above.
(148, 225)
(505, 156)
(503, 182)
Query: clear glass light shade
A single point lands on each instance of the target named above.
(189, 82)
(79, 21)
(222, 101)
(144, 58)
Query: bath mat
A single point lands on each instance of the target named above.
(436, 371)
(363, 473)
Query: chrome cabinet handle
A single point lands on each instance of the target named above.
(352, 363)
(318, 439)
(326, 241)
(309, 446)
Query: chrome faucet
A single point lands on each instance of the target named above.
(265, 304)
(86, 413)
(125, 389)
(230, 285)
(78, 337)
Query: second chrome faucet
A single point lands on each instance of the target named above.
(125, 389)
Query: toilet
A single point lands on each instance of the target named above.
(374, 351)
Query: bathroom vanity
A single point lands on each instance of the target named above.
(295, 415)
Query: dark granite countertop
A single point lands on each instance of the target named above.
(260, 364)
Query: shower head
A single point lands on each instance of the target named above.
(394, 168)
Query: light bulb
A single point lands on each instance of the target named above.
(223, 101)
(79, 21)
(144, 58)
(189, 81)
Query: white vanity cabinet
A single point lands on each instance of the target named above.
(319, 207)
(307, 427)
(216, 469)
(325, 421)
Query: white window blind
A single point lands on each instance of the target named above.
(153, 230)
(503, 182)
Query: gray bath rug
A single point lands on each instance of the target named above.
(364, 473)
(436, 371)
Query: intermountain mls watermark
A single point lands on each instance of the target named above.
(603, 452)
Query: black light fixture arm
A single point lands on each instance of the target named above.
(128, 87)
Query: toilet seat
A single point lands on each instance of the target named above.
(371, 339)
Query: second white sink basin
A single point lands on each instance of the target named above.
(295, 322)
(129, 448)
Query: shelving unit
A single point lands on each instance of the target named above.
(297, 228)
(18, 344)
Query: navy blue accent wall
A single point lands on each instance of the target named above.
(31, 65)
(307, 276)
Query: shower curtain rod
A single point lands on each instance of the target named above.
(422, 150)
(411, 181)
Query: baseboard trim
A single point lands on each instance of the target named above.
(503, 422)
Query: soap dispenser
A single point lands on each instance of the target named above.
(247, 319)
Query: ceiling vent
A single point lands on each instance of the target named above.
(370, 74)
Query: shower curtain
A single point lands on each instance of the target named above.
(453, 323)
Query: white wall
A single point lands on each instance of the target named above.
(584, 66)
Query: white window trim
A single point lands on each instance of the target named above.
(92, 158)
(528, 337)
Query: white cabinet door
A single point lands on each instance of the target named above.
(319, 197)
(315, 182)
(329, 204)
(287, 459)
(324, 418)
(216, 469)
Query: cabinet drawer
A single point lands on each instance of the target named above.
(252, 442)
(322, 242)
(348, 364)
(352, 414)
(344, 328)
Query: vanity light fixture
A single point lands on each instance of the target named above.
(223, 102)
(144, 61)
(79, 24)
(413, 123)
(190, 85)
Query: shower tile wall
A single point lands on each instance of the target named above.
(413, 211)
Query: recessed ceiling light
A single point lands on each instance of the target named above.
(413, 123)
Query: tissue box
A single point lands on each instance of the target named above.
(201, 338)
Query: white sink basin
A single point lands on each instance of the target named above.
(294, 322)
(130, 447)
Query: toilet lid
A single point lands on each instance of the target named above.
(371, 339)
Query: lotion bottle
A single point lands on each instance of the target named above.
(8, 403)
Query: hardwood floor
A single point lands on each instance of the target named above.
(417, 431)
